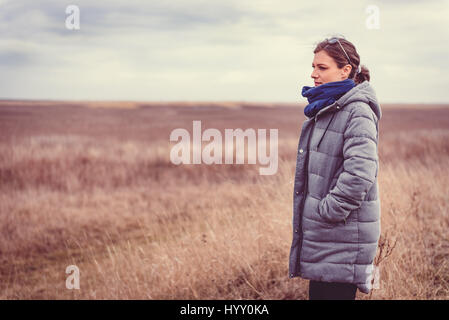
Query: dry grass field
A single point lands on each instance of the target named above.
(91, 184)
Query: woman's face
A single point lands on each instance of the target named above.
(325, 69)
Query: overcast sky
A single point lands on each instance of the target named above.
(233, 50)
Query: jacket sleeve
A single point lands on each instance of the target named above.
(360, 166)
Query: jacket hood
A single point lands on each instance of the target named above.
(362, 92)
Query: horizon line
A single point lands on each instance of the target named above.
(190, 101)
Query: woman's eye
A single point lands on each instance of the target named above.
(322, 68)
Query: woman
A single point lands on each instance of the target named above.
(336, 214)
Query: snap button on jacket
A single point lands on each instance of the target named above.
(336, 206)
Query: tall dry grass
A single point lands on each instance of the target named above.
(139, 227)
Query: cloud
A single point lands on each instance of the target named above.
(215, 50)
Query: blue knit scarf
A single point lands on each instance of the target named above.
(324, 95)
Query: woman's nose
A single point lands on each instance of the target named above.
(314, 75)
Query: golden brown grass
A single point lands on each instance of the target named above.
(94, 187)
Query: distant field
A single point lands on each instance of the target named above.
(91, 184)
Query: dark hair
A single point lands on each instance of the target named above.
(334, 50)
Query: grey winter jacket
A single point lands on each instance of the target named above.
(336, 206)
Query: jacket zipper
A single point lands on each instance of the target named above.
(305, 189)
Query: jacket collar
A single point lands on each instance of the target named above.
(362, 92)
(332, 107)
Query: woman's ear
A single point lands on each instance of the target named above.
(345, 71)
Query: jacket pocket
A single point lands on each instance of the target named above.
(326, 221)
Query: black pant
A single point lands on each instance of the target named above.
(331, 290)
